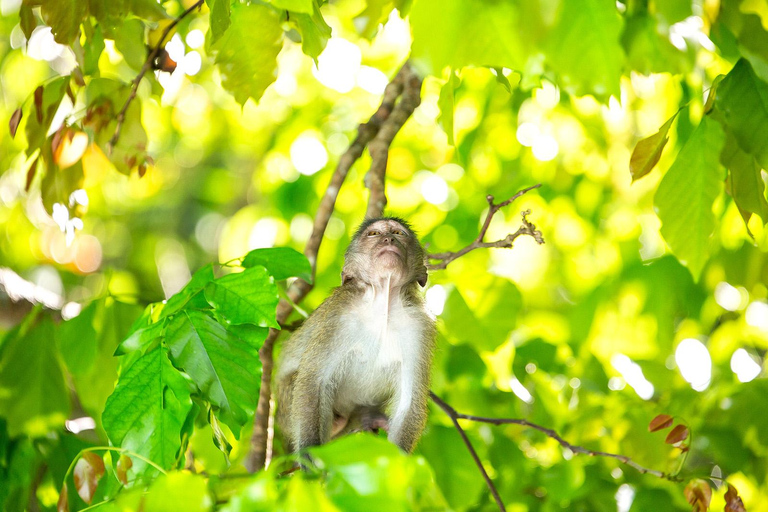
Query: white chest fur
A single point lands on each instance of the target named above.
(381, 334)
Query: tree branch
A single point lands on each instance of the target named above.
(366, 132)
(526, 228)
(379, 146)
(146, 67)
(451, 412)
(454, 415)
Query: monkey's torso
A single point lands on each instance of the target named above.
(375, 360)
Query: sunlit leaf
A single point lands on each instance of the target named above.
(446, 102)
(687, 192)
(146, 411)
(191, 294)
(129, 40)
(743, 99)
(246, 53)
(47, 99)
(178, 491)
(584, 49)
(88, 471)
(468, 33)
(677, 434)
(33, 395)
(280, 262)
(647, 152)
(301, 6)
(745, 183)
(220, 18)
(660, 422)
(64, 18)
(225, 368)
(248, 297)
(313, 29)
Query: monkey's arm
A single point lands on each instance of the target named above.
(311, 407)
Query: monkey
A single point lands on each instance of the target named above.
(362, 359)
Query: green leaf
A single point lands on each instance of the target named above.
(447, 102)
(314, 31)
(745, 183)
(148, 9)
(280, 262)
(64, 18)
(34, 398)
(220, 18)
(647, 152)
(178, 491)
(247, 52)
(374, 14)
(467, 33)
(92, 52)
(47, 99)
(248, 297)
(297, 6)
(743, 99)
(583, 47)
(77, 339)
(147, 410)
(129, 40)
(225, 368)
(58, 184)
(28, 20)
(687, 192)
(183, 297)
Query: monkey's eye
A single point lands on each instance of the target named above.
(374, 233)
(398, 232)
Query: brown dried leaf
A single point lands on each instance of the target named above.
(88, 471)
(679, 433)
(699, 494)
(124, 463)
(660, 422)
(63, 503)
(733, 502)
(31, 174)
(39, 104)
(15, 120)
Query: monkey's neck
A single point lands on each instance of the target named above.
(384, 298)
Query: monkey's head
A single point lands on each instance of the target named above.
(385, 247)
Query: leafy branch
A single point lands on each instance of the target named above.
(151, 57)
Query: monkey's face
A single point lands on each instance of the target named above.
(382, 249)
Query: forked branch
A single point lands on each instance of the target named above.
(526, 228)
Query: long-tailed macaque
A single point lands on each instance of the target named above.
(362, 360)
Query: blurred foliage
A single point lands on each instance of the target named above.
(650, 296)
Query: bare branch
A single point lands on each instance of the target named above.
(146, 67)
(451, 412)
(379, 146)
(526, 228)
(454, 415)
(366, 132)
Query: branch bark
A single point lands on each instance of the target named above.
(579, 450)
(526, 228)
(366, 132)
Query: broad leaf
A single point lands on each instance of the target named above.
(220, 21)
(745, 183)
(248, 297)
(280, 262)
(687, 192)
(47, 99)
(28, 20)
(447, 103)
(647, 152)
(88, 471)
(191, 292)
(743, 99)
(314, 31)
(660, 422)
(225, 368)
(178, 491)
(466, 33)
(247, 52)
(33, 394)
(583, 47)
(77, 339)
(677, 434)
(299, 6)
(146, 412)
(64, 18)
(129, 40)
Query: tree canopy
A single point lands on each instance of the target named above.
(589, 179)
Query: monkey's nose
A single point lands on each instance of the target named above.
(389, 239)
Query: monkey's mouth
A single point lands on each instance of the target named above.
(390, 249)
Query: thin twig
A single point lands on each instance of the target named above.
(258, 456)
(554, 435)
(379, 146)
(146, 67)
(451, 412)
(526, 228)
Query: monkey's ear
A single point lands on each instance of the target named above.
(422, 279)
(345, 277)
